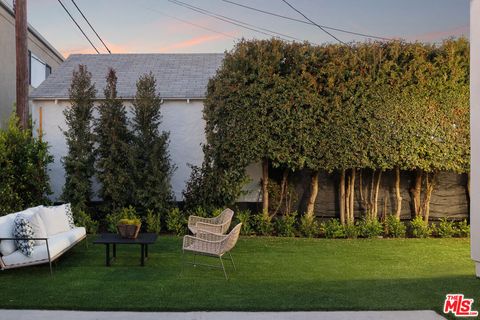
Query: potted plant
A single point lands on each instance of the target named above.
(129, 224)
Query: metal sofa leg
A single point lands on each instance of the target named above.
(49, 259)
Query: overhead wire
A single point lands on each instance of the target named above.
(236, 22)
(93, 29)
(305, 22)
(80, 28)
(191, 23)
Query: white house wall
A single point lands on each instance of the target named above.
(182, 119)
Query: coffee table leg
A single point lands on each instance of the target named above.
(107, 254)
(114, 250)
(142, 260)
(146, 251)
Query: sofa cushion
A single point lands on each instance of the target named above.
(39, 229)
(54, 219)
(6, 229)
(23, 229)
(56, 244)
(69, 213)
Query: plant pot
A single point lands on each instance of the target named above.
(129, 231)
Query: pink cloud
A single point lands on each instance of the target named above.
(86, 49)
(191, 42)
(439, 35)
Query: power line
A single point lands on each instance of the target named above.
(66, 10)
(91, 26)
(193, 24)
(236, 22)
(305, 22)
(314, 23)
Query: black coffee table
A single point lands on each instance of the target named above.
(143, 239)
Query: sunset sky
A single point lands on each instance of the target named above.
(160, 26)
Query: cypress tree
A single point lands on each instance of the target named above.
(114, 160)
(79, 162)
(153, 170)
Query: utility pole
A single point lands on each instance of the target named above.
(20, 8)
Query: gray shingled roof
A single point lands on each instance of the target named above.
(178, 75)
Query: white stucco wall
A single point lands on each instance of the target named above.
(475, 131)
(182, 119)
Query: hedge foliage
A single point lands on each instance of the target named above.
(24, 159)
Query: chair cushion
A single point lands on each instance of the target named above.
(23, 229)
(55, 219)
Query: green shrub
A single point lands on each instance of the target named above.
(83, 219)
(394, 228)
(462, 229)
(308, 227)
(24, 180)
(446, 229)
(127, 213)
(152, 221)
(245, 218)
(351, 231)
(177, 222)
(333, 229)
(285, 225)
(419, 228)
(370, 228)
(263, 224)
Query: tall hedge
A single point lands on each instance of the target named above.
(80, 160)
(152, 169)
(358, 110)
(24, 180)
(114, 161)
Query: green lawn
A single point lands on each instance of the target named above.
(273, 274)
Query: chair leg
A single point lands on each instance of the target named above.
(223, 267)
(86, 242)
(233, 263)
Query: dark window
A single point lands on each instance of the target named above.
(29, 67)
(48, 71)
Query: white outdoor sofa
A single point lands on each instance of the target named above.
(46, 250)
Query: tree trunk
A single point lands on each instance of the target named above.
(363, 204)
(265, 187)
(370, 208)
(283, 190)
(397, 192)
(416, 192)
(347, 199)
(313, 194)
(342, 196)
(352, 196)
(375, 199)
(429, 185)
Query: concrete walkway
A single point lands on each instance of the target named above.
(314, 315)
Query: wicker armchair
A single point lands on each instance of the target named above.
(213, 245)
(218, 224)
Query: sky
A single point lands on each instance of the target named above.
(149, 26)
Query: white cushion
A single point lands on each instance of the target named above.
(6, 229)
(56, 244)
(38, 227)
(54, 219)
